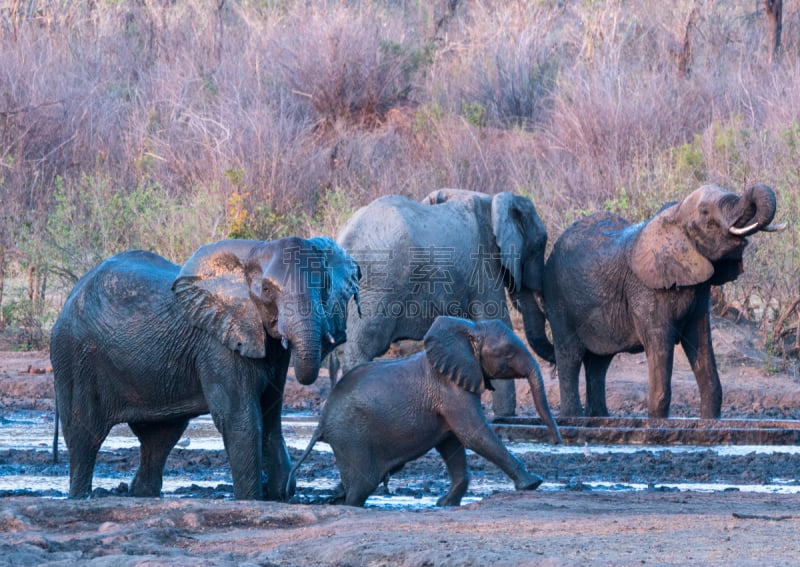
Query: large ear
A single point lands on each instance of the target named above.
(664, 256)
(517, 229)
(344, 271)
(213, 291)
(452, 346)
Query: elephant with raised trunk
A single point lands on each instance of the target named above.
(455, 253)
(145, 342)
(613, 287)
(385, 413)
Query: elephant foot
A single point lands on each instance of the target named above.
(338, 495)
(600, 412)
(145, 489)
(454, 496)
(448, 500)
(532, 482)
(568, 410)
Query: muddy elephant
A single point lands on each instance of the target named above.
(145, 342)
(455, 253)
(613, 287)
(385, 413)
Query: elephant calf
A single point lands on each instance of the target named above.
(385, 413)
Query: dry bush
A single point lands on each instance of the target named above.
(349, 66)
(200, 120)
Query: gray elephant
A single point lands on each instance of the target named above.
(455, 253)
(385, 413)
(143, 341)
(612, 287)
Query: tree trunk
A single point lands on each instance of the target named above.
(685, 51)
(774, 9)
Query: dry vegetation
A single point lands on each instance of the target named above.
(165, 125)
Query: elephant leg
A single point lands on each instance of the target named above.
(360, 476)
(596, 367)
(504, 398)
(240, 428)
(368, 339)
(455, 458)
(696, 343)
(568, 364)
(276, 461)
(156, 440)
(660, 356)
(83, 445)
(468, 423)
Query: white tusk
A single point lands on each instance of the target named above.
(330, 338)
(284, 343)
(742, 231)
(775, 227)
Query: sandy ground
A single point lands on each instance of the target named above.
(567, 525)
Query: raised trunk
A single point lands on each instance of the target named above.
(540, 401)
(756, 209)
(533, 320)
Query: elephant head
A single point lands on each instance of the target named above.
(291, 290)
(471, 354)
(702, 238)
(521, 237)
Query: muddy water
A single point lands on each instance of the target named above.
(26, 440)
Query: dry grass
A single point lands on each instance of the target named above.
(194, 120)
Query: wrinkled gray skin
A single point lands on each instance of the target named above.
(613, 287)
(145, 342)
(385, 413)
(455, 253)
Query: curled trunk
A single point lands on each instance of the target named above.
(755, 209)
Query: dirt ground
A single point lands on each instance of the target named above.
(570, 524)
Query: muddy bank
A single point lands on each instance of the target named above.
(538, 528)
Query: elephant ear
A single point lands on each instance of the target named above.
(517, 229)
(213, 292)
(452, 346)
(664, 256)
(342, 283)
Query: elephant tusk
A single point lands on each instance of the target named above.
(775, 227)
(284, 343)
(743, 231)
(330, 338)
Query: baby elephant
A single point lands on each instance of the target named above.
(385, 413)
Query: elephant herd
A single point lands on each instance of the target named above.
(146, 342)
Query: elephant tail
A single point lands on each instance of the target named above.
(317, 436)
(55, 440)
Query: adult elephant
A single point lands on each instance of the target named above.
(146, 342)
(455, 253)
(385, 413)
(612, 287)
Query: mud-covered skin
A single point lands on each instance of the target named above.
(145, 342)
(456, 253)
(383, 414)
(612, 287)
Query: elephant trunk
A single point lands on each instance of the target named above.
(307, 354)
(533, 320)
(754, 211)
(540, 401)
